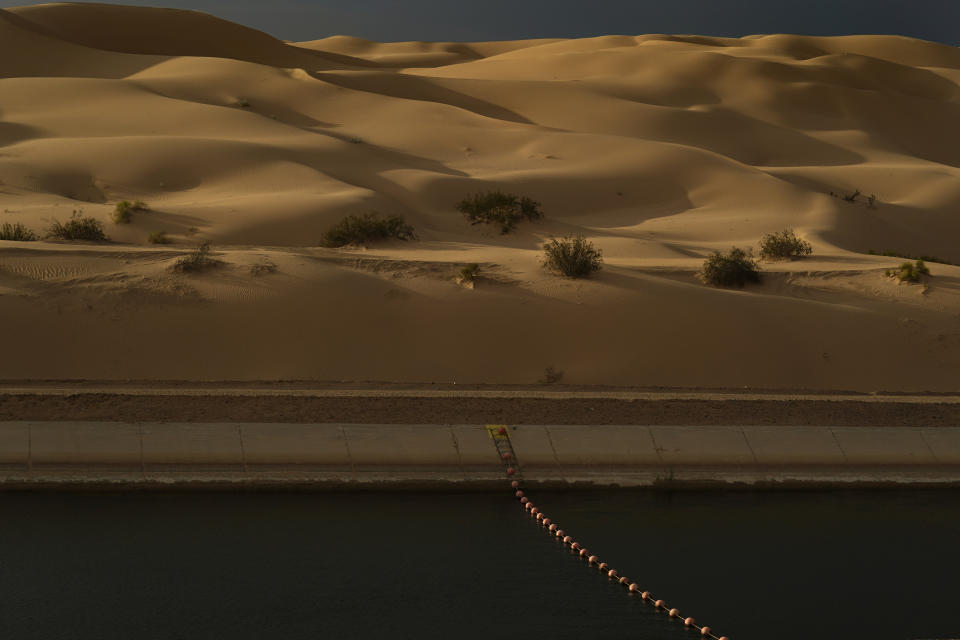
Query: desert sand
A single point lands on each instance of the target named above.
(658, 148)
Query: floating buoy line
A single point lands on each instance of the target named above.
(501, 438)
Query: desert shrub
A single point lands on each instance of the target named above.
(159, 237)
(572, 256)
(262, 268)
(77, 228)
(123, 212)
(496, 207)
(910, 271)
(733, 269)
(469, 272)
(16, 232)
(243, 103)
(198, 260)
(784, 244)
(367, 228)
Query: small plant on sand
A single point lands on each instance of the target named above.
(262, 268)
(733, 269)
(243, 103)
(77, 227)
(469, 272)
(16, 232)
(369, 227)
(784, 245)
(198, 260)
(572, 256)
(551, 376)
(159, 237)
(909, 271)
(852, 197)
(123, 212)
(502, 209)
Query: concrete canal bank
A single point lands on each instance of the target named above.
(73, 454)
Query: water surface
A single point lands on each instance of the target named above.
(752, 565)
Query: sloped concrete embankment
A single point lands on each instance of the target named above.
(389, 456)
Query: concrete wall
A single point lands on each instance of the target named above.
(131, 452)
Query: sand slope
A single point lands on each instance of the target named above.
(658, 148)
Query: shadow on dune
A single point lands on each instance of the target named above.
(172, 222)
(890, 227)
(398, 85)
(746, 139)
(168, 32)
(12, 133)
(27, 50)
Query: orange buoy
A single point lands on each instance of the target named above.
(624, 580)
(534, 511)
(511, 471)
(576, 546)
(552, 528)
(705, 631)
(528, 506)
(583, 553)
(524, 499)
(540, 516)
(612, 573)
(560, 533)
(674, 613)
(633, 587)
(602, 566)
(514, 484)
(546, 522)
(592, 559)
(567, 539)
(645, 595)
(724, 638)
(689, 622)
(506, 455)
(659, 603)
(519, 493)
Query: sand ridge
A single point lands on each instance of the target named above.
(659, 148)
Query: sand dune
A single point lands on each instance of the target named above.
(659, 148)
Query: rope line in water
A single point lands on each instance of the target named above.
(501, 438)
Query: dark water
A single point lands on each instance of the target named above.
(752, 565)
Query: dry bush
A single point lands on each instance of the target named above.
(199, 260)
(496, 207)
(910, 271)
(572, 256)
(159, 237)
(16, 232)
(784, 245)
(369, 227)
(123, 212)
(77, 228)
(733, 269)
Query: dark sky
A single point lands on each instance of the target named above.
(463, 20)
